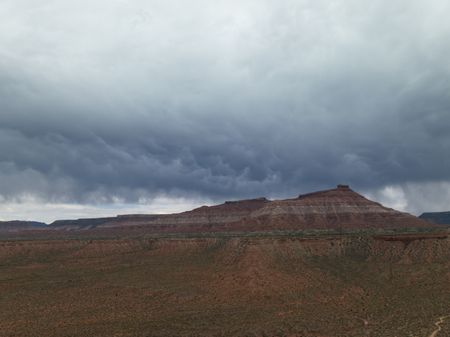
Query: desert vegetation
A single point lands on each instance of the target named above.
(333, 286)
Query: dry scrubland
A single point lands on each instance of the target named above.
(327, 287)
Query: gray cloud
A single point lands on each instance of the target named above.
(106, 100)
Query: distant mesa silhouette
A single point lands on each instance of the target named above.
(439, 218)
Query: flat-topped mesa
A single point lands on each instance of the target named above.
(204, 218)
(86, 223)
(441, 218)
(213, 217)
(17, 225)
(338, 208)
(238, 205)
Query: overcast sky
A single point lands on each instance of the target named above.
(115, 106)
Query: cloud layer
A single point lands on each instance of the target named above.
(106, 102)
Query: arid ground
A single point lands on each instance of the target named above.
(328, 286)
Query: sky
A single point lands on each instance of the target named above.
(131, 106)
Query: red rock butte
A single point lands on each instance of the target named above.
(339, 208)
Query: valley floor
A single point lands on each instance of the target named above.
(321, 287)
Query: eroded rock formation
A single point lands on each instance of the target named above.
(339, 208)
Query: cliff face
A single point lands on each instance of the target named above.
(441, 218)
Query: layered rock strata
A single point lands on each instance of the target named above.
(339, 208)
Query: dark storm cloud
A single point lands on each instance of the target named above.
(105, 100)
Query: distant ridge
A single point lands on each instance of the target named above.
(440, 218)
(18, 225)
(80, 223)
(201, 218)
